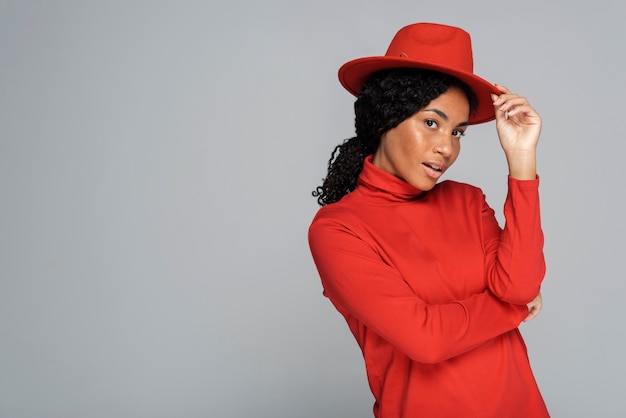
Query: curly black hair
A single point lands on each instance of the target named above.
(387, 98)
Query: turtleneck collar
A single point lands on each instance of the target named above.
(383, 187)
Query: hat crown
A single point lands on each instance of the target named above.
(440, 45)
(430, 46)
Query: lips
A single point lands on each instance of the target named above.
(434, 169)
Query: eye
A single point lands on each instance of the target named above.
(430, 123)
(458, 133)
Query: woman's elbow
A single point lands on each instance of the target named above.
(520, 295)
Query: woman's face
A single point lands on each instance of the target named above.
(421, 148)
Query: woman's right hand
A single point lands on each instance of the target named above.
(534, 308)
(519, 126)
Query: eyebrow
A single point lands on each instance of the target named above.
(444, 116)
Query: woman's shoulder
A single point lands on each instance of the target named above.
(342, 209)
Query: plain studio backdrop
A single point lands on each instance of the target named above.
(156, 166)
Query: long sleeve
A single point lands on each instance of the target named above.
(515, 264)
(361, 285)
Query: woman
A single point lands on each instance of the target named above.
(431, 287)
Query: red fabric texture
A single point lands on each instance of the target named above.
(433, 290)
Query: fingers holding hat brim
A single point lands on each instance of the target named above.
(507, 104)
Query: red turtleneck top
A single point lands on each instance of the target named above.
(433, 290)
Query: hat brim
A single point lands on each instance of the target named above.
(354, 73)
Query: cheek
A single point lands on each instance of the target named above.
(456, 150)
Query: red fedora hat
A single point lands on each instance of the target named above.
(432, 46)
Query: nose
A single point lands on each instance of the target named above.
(443, 145)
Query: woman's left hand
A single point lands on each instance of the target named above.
(534, 308)
(519, 127)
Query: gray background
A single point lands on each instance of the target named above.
(156, 164)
